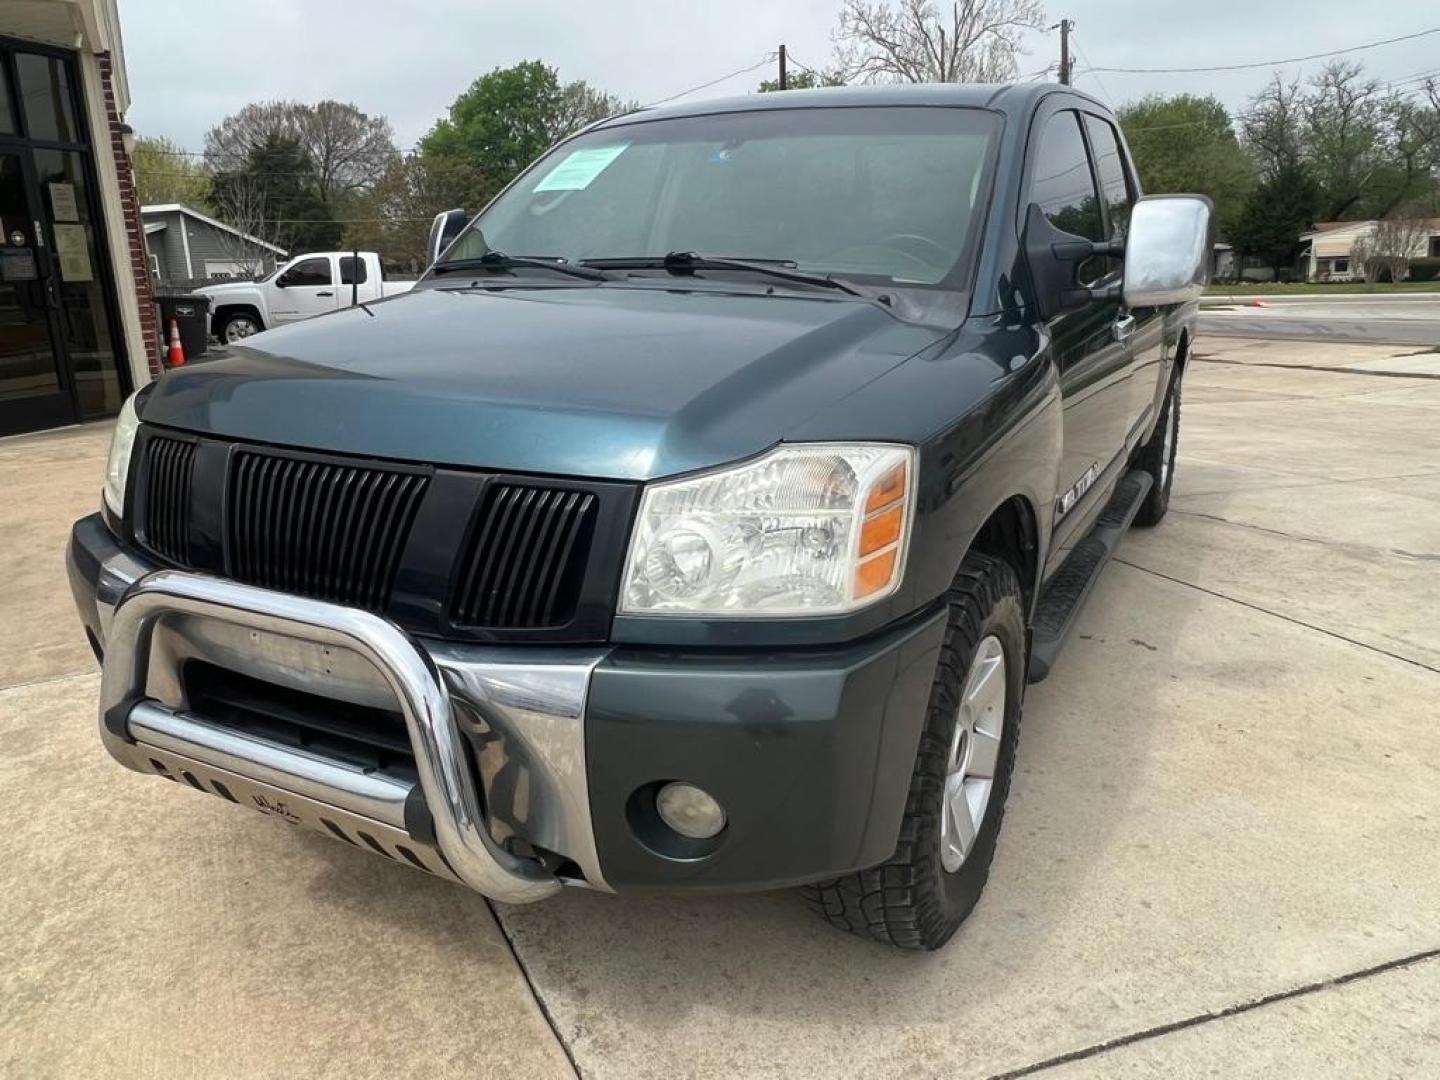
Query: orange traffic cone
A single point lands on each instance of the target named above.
(176, 356)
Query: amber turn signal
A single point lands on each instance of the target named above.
(888, 489)
(875, 573)
(880, 530)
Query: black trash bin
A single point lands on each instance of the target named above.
(192, 314)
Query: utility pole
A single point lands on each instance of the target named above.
(784, 81)
(1065, 27)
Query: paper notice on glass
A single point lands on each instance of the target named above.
(62, 202)
(580, 167)
(74, 252)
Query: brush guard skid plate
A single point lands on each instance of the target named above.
(348, 803)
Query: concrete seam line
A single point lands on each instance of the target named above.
(1287, 618)
(1319, 367)
(535, 995)
(1337, 545)
(1219, 1014)
(48, 679)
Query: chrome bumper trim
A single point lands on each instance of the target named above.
(440, 748)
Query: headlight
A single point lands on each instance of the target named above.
(117, 467)
(809, 529)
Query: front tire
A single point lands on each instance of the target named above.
(236, 327)
(921, 895)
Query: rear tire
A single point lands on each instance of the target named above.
(915, 900)
(1157, 457)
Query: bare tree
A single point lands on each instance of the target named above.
(1362, 255)
(1270, 126)
(243, 204)
(916, 41)
(1398, 239)
(350, 149)
(1344, 134)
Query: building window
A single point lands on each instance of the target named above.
(1341, 266)
(1435, 247)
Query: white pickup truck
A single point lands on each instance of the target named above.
(307, 285)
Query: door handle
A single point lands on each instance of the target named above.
(332, 294)
(1123, 327)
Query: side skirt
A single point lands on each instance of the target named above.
(1069, 587)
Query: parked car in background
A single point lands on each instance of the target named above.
(695, 524)
(306, 286)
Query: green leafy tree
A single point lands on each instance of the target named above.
(394, 217)
(505, 120)
(164, 173)
(1345, 138)
(1281, 207)
(1185, 144)
(1371, 151)
(804, 80)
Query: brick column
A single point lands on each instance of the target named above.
(134, 229)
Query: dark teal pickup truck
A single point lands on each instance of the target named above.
(697, 521)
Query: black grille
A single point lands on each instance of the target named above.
(317, 528)
(525, 562)
(167, 498)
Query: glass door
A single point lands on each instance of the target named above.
(34, 387)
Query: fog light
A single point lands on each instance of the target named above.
(689, 811)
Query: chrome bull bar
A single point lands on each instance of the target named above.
(130, 723)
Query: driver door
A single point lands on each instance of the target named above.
(1089, 344)
(306, 289)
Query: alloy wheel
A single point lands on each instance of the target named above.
(974, 753)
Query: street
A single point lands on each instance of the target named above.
(1403, 318)
(1219, 847)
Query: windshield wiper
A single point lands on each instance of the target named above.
(687, 262)
(499, 261)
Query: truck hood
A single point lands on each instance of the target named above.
(616, 381)
(225, 287)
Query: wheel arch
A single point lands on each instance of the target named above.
(1012, 532)
(224, 311)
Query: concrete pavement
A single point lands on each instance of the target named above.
(1227, 799)
(1358, 317)
(151, 932)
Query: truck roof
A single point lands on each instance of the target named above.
(1010, 98)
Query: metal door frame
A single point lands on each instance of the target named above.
(84, 145)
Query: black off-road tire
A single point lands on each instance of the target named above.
(1157, 457)
(911, 901)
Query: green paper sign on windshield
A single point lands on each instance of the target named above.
(580, 167)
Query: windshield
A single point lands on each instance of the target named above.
(883, 194)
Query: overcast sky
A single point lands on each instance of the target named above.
(191, 63)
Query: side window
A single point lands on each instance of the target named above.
(1062, 183)
(352, 270)
(308, 272)
(1110, 164)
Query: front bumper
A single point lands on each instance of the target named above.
(536, 766)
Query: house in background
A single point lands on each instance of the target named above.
(190, 248)
(1327, 251)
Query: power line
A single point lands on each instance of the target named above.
(1264, 63)
(769, 58)
(1091, 71)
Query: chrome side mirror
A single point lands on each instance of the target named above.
(1167, 250)
(448, 224)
